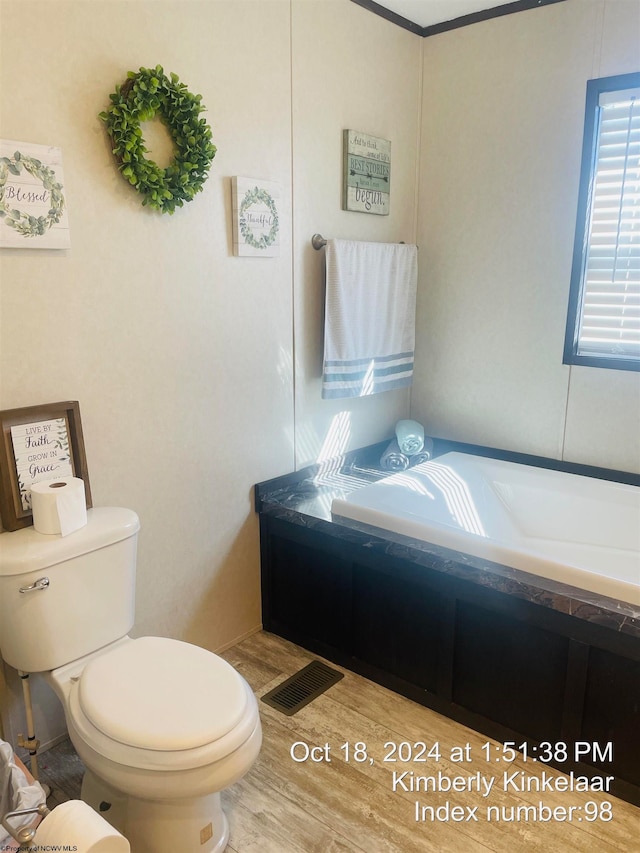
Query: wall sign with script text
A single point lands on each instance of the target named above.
(41, 451)
(367, 173)
(33, 211)
(256, 217)
(38, 443)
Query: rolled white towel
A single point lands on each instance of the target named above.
(424, 455)
(393, 459)
(410, 436)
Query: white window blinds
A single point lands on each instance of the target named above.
(609, 316)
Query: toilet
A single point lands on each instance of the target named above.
(162, 726)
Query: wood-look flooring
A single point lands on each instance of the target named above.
(334, 806)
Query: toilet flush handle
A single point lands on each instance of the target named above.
(41, 583)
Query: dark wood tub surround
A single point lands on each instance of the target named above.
(510, 654)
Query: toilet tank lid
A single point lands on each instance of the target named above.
(27, 550)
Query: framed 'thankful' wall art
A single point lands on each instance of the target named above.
(38, 443)
(256, 217)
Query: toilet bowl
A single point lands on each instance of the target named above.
(161, 725)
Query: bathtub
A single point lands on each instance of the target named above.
(569, 528)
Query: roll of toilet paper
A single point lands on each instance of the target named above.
(76, 826)
(59, 506)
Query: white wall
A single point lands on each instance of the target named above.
(354, 70)
(198, 373)
(181, 355)
(502, 123)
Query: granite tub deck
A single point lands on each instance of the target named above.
(514, 655)
(305, 497)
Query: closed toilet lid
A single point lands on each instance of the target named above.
(162, 694)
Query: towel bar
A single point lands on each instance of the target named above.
(319, 242)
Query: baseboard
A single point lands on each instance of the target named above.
(239, 639)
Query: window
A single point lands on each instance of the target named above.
(603, 324)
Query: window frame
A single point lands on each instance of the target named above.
(595, 88)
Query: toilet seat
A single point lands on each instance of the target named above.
(157, 693)
(160, 704)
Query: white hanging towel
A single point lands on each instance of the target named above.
(369, 326)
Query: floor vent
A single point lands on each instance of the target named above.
(302, 688)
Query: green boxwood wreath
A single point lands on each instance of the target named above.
(145, 94)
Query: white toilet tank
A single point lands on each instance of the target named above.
(82, 595)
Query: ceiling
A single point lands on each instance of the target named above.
(429, 17)
(426, 13)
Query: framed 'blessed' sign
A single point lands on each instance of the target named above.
(33, 211)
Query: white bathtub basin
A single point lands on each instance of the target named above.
(577, 530)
